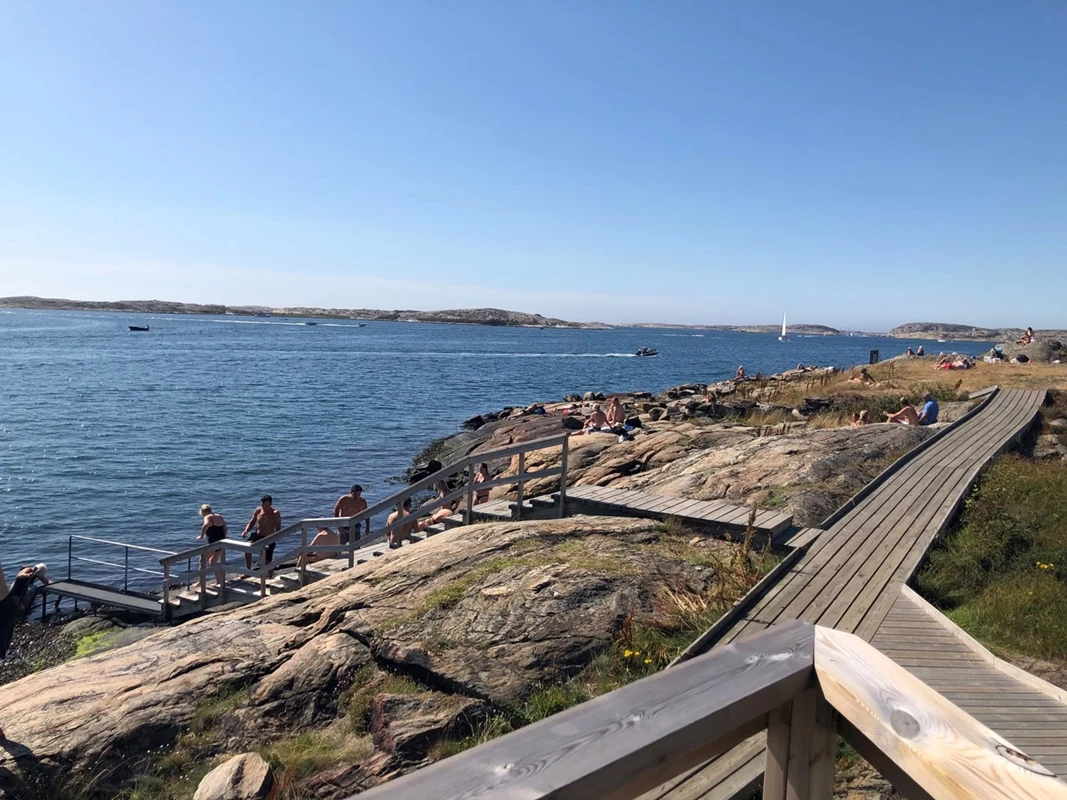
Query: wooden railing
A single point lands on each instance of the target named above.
(295, 536)
(803, 685)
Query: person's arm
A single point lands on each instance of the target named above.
(203, 529)
(225, 527)
(251, 524)
(337, 507)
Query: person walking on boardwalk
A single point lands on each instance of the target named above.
(348, 505)
(214, 529)
(266, 521)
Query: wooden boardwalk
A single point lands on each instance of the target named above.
(715, 513)
(852, 576)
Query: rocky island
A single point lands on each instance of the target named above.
(463, 316)
(952, 331)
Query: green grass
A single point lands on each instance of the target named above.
(93, 642)
(1000, 574)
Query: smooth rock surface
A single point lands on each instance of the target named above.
(243, 777)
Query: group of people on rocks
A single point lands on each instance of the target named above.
(907, 415)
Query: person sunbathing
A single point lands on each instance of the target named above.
(863, 378)
(616, 416)
(597, 420)
(442, 513)
(865, 417)
(855, 423)
(906, 416)
(740, 374)
(1027, 337)
(325, 536)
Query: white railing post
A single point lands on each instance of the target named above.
(222, 583)
(470, 492)
(522, 469)
(303, 557)
(563, 480)
(166, 591)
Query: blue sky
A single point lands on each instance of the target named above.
(858, 164)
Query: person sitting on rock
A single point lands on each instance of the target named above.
(399, 534)
(863, 378)
(597, 420)
(865, 417)
(1027, 337)
(616, 416)
(920, 352)
(928, 416)
(740, 374)
(910, 353)
(482, 495)
(325, 536)
(906, 416)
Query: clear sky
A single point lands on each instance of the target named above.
(859, 164)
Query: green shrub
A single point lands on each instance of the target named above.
(1001, 572)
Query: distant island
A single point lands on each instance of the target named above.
(462, 316)
(948, 330)
(809, 330)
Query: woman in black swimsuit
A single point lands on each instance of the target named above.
(214, 528)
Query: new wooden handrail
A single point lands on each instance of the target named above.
(804, 684)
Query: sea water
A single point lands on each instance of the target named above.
(121, 435)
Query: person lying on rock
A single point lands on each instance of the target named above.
(616, 416)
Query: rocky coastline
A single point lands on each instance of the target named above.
(403, 660)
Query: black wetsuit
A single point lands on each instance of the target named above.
(10, 610)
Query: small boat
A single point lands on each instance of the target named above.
(647, 351)
(262, 314)
(138, 328)
(362, 325)
(311, 323)
(783, 337)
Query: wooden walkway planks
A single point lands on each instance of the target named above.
(699, 512)
(853, 572)
(1033, 721)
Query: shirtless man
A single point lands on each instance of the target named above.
(597, 420)
(906, 416)
(348, 505)
(397, 535)
(864, 377)
(616, 416)
(267, 521)
(325, 536)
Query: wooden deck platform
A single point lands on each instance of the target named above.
(716, 513)
(852, 576)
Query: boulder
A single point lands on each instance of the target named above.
(656, 413)
(1049, 447)
(474, 423)
(409, 724)
(421, 471)
(572, 422)
(243, 777)
(589, 397)
(573, 398)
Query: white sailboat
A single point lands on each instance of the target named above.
(783, 337)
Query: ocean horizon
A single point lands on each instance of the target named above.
(121, 435)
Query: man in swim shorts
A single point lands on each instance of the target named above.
(348, 505)
(266, 521)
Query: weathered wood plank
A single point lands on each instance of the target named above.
(630, 740)
(947, 753)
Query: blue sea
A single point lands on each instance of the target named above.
(121, 435)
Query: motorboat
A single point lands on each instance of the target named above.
(311, 323)
(647, 351)
(138, 327)
(362, 325)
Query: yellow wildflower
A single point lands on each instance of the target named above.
(648, 660)
(627, 653)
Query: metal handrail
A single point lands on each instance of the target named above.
(125, 566)
(357, 521)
